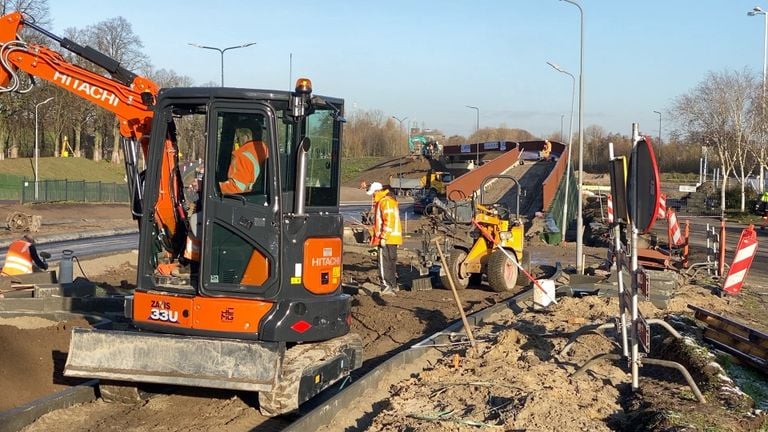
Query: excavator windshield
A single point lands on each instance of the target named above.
(322, 162)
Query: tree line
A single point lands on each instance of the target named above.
(725, 112)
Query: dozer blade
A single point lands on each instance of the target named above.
(172, 359)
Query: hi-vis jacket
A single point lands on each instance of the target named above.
(244, 168)
(386, 222)
(18, 260)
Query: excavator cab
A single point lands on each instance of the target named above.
(269, 271)
(235, 290)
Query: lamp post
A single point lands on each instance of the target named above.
(562, 116)
(477, 128)
(401, 124)
(222, 51)
(37, 145)
(757, 10)
(563, 225)
(579, 209)
(659, 113)
(399, 120)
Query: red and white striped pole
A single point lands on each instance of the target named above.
(662, 206)
(610, 209)
(745, 253)
(673, 230)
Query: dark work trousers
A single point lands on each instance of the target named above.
(388, 266)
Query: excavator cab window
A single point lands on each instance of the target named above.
(322, 162)
(242, 152)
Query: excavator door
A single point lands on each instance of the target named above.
(241, 237)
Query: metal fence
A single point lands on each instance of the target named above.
(704, 200)
(71, 190)
(10, 187)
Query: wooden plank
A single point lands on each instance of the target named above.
(735, 342)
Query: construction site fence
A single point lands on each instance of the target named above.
(555, 233)
(70, 190)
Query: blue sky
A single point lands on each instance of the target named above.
(427, 60)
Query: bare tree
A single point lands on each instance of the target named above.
(720, 111)
(115, 38)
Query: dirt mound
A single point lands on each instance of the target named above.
(398, 166)
(34, 368)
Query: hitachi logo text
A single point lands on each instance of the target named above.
(325, 261)
(91, 90)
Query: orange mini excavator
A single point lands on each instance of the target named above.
(260, 307)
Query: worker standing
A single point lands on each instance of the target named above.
(387, 235)
(764, 200)
(22, 258)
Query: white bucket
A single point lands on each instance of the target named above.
(542, 299)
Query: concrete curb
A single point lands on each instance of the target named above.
(84, 234)
(17, 418)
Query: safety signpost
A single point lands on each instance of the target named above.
(635, 194)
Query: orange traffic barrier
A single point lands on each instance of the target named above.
(745, 253)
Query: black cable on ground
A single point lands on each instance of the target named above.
(74, 257)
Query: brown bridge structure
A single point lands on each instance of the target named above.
(542, 180)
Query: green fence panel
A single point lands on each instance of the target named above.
(555, 233)
(69, 190)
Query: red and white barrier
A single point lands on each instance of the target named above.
(673, 230)
(745, 253)
(610, 208)
(662, 206)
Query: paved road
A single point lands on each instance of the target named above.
(758, 273)
(86, 247)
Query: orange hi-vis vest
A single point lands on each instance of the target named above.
(18, 260)
(386, 222)
(244, 168)
(192, 248)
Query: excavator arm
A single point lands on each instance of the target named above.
(129, 96)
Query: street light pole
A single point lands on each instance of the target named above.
(401, 124)
(37, 145)
(579, 210)
(563, 225)
(657, 112)
(222, 51)
(562, 116)
(477, 128)
(757, 10)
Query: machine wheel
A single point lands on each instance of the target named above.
(501, 271)
(456, 257)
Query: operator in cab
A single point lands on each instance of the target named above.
(22, 258)
(245, 167)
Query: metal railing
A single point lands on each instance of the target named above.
(71, 190)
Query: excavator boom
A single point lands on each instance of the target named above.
(129, 101)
